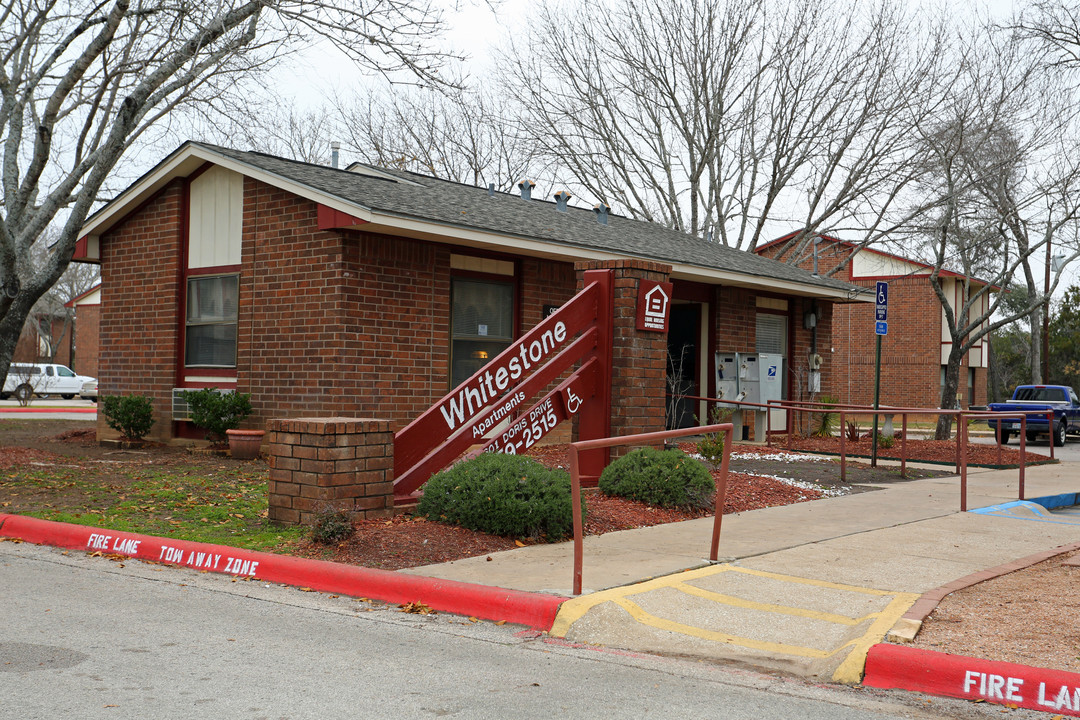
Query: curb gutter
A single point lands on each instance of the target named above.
(491, 603)
(897, 667)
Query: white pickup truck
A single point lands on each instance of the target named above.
(25, 379)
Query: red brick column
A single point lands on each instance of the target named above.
(338, 463)
(639, 357)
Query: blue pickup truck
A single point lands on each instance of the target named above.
(1038, 400)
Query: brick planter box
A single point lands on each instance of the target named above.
(335, 463)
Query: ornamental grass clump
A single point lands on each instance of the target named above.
(664, 478)
(826, 424)
(504, 495)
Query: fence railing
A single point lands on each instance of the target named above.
(844, 411)
(647, 439)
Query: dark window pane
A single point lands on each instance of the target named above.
(211, 321)
(212, 299)
(211, 345)
(482, 325)
(483, 309)
(471, 355)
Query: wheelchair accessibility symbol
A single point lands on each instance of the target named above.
(573, 402)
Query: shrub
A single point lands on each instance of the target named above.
(886, 441)
(331, 526)
(711, 447)
(130, 415)
(826, 420)
(215, 412)
(853, 431)
(666, 478)
(502, 495)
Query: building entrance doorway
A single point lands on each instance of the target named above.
(685, 365)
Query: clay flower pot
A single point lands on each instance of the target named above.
(244, 444)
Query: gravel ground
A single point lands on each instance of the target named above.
(1027, 617)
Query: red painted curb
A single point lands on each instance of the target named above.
(906, 668)
(482, 601)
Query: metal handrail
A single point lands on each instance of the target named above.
(961, 415)
(646, 438)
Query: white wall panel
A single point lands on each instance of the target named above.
(216, 218)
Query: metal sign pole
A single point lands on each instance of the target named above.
(881, 327)
(877, 398)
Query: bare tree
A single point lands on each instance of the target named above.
(279, 129)
(82, 81)
(1055, 24)
(51, 318)
(461, 136)
(728, 119)
(1000, 182)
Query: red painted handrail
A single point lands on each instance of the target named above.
(646, 439)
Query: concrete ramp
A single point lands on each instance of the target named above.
(1033, 511)
(807, 627)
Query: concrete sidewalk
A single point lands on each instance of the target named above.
(804, 588)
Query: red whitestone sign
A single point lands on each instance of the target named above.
(560, 404)
(653, 305)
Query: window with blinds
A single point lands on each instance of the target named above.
(481, 326)
(772, 333)
(210, 336)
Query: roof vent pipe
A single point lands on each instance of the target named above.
(601, 211)
(526, 189)
(561, 199)
(491, 189)
(335, 150)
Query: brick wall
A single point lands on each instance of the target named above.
(140, 266)
(639, 364)
(334, 464)
(87, 340)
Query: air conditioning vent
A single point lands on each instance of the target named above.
(180, 409)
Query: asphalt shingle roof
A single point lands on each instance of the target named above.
(427, 198)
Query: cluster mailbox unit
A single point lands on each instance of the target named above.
(750, 378)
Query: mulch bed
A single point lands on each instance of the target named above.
(406, 541)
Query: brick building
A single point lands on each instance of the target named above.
(915, 350)
(371, 293)
(85, 331)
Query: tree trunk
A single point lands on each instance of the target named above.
(948, 394)
(1036, 336)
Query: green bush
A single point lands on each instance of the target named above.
(885, 441)
(130, 415)
(502, 495)
(711, 446)
(215, 412)
(665, 478)
(331, 526)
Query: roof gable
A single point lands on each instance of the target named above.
(405, 203)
